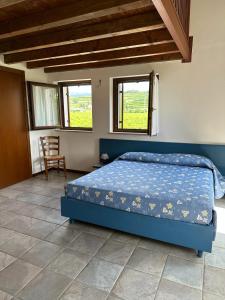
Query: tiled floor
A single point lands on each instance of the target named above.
(43, 257)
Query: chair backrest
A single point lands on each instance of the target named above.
(50, 145)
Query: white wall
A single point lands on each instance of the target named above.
(39, 76)
(192, 95)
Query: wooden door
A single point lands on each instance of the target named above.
(15, 159)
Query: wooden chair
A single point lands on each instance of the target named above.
(51, 151)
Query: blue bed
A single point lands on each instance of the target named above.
(170, 197)
(154, 185)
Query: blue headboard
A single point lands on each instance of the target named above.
(116, 147)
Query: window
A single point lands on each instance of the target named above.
(77, 105)
(44, 105)
(133, 104)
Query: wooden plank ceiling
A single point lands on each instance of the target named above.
(61, 35)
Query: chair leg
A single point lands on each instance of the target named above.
(64, 167)
(46, 168)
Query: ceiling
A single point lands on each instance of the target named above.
(63, 35)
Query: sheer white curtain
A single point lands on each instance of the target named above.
(46, 106)
(155, 105)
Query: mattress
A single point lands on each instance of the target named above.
(184, 193)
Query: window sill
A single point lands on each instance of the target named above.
(74, 130)
(128, 133)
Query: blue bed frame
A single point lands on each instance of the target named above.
(196, 236)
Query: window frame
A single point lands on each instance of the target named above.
(116, 82)
(30, 84)
(67, 84)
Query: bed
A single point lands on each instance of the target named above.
(168, 197)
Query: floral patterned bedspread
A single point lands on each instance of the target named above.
(174, 186)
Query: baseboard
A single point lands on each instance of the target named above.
(38, 173)
(68, 170)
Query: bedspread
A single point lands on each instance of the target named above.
(174, 186)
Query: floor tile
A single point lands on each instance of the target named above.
(62, 235)
(6, 217)
(116, 252)
(16, 276)
(27, 186)
(27, 208)
(208, 296)
(47, 214)
(5, 296)
(220, 240)
(51, 191)
(33, 198)
(147, 261)
(69, 263)
(81, 291)
(214, 279)
(46, 286)
(6, 235)
(41, 254)
(100, 274)
(10, 193)
(54, 203)
(37, 228)
(18, 244)
(216, 258)
(125, 238)
(97, 230)
(87, 243)
(184, 272)
(5, 260)
(113, 297)
(186, 253)
(12, 206)
(133, 285)
(155, 246)
(169, 290)
(3, 199)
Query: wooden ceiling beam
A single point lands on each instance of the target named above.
(119, 62)
(172, 21)
(76, 32)
(106, 55)
(158, 36)
(5, 3)
(76, 11)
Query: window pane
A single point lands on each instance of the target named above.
(46, 106)
(80, 106)
(135, 105)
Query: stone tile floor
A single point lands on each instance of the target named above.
(43, 257)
